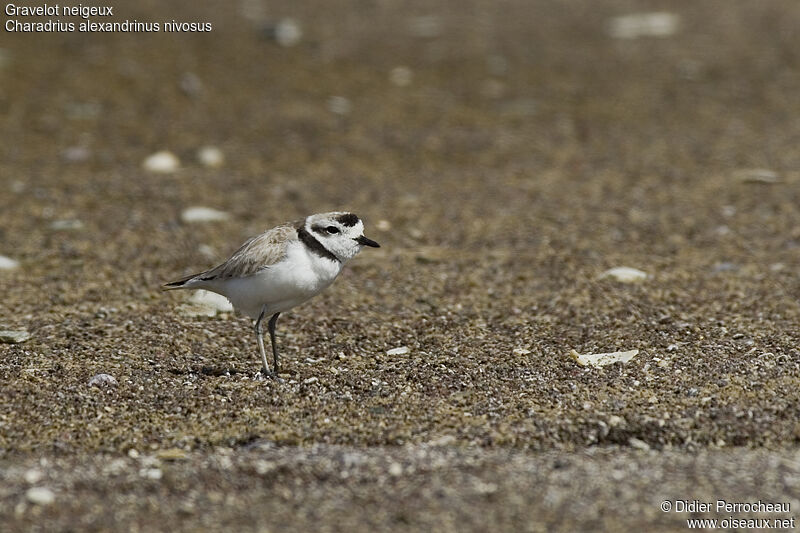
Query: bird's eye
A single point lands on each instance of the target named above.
(333, 230)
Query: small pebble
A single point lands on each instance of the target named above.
(482, 487)
(208, 251)
(33, 476)
(520, 351)
(40, 496)
(624, 274)
(287, 32)
(103, 380)
(151, 473)
(310, 380)
(395, 469)
(69, 224)
(191, 84)
(635, 25)
(638, 444)
(383, 225)
(264, 467)
(76, 154)
(425, 27)
(253, 10)
(402, 350)
(211, 156)
(203, 214)
(171, 454)
(6, 263)
(444, 440)
(725, 266)
(401, 76)
(339, 105)
(14, 337)
(163, 162)
(602, 359)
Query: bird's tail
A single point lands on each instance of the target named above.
(183, 283)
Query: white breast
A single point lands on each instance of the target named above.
(300, 276)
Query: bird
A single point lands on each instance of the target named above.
(282, 268)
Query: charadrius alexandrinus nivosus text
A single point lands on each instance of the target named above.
(282, 268)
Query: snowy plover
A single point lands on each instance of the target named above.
(283, 267)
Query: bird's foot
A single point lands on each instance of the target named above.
(265, 374)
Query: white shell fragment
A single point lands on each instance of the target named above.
(203, 214)
(758, 175)
(211, 300)
(402, 350)
(205, 303)
(624, 274)
(6, 263)
(635, 25)
(598, 360)
(103, 380)
(163, 162)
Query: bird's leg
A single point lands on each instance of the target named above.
(260, 337)
(271, 327)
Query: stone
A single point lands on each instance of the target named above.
(211, 156)
(624, 274)
(163, 162)
(40, 496)
(14, 337)
(194, 214)
(636, 25)
(103, 380)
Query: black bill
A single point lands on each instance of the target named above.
(367, 242)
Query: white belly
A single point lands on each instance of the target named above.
(299, 277)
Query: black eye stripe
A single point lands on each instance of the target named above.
(325, 230)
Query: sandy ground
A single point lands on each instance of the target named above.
(505, 155)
